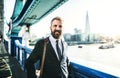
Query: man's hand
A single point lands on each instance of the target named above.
(37, 73)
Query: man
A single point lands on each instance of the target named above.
(55, 64)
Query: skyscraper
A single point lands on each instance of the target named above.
(87, 28)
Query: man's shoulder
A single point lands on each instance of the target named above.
(42, 40)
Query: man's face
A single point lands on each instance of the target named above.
(56, 29)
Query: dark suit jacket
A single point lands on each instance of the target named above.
(53, 68)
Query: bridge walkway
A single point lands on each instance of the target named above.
(13, 63)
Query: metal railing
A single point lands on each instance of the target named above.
(22, 52)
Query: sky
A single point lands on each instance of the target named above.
(104, 17)
(8, 8)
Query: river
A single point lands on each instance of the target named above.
(106, 60)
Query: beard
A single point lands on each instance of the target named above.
(56, 34)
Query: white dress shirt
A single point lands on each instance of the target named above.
(53, 42)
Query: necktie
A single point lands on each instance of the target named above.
(58, 50)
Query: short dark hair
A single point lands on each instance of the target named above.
(56, 18)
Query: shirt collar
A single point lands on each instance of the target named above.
(53, 39)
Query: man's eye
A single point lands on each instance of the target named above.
(60, 26)
(55, 25)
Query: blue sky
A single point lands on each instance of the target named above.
(103, 16)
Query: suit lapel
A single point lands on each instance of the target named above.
(51, 49)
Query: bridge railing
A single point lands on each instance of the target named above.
(77, 71)
(22, 52)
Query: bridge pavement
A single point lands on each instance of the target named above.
(15, 67)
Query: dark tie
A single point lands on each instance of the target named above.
(58, 50)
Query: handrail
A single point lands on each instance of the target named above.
(22, 52)
(80, 71)
(18, 44)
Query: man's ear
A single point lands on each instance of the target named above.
(50, 27)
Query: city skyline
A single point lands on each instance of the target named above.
(103, 16)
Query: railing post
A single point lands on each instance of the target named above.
(12, 45)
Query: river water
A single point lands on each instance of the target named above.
(106, 60)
